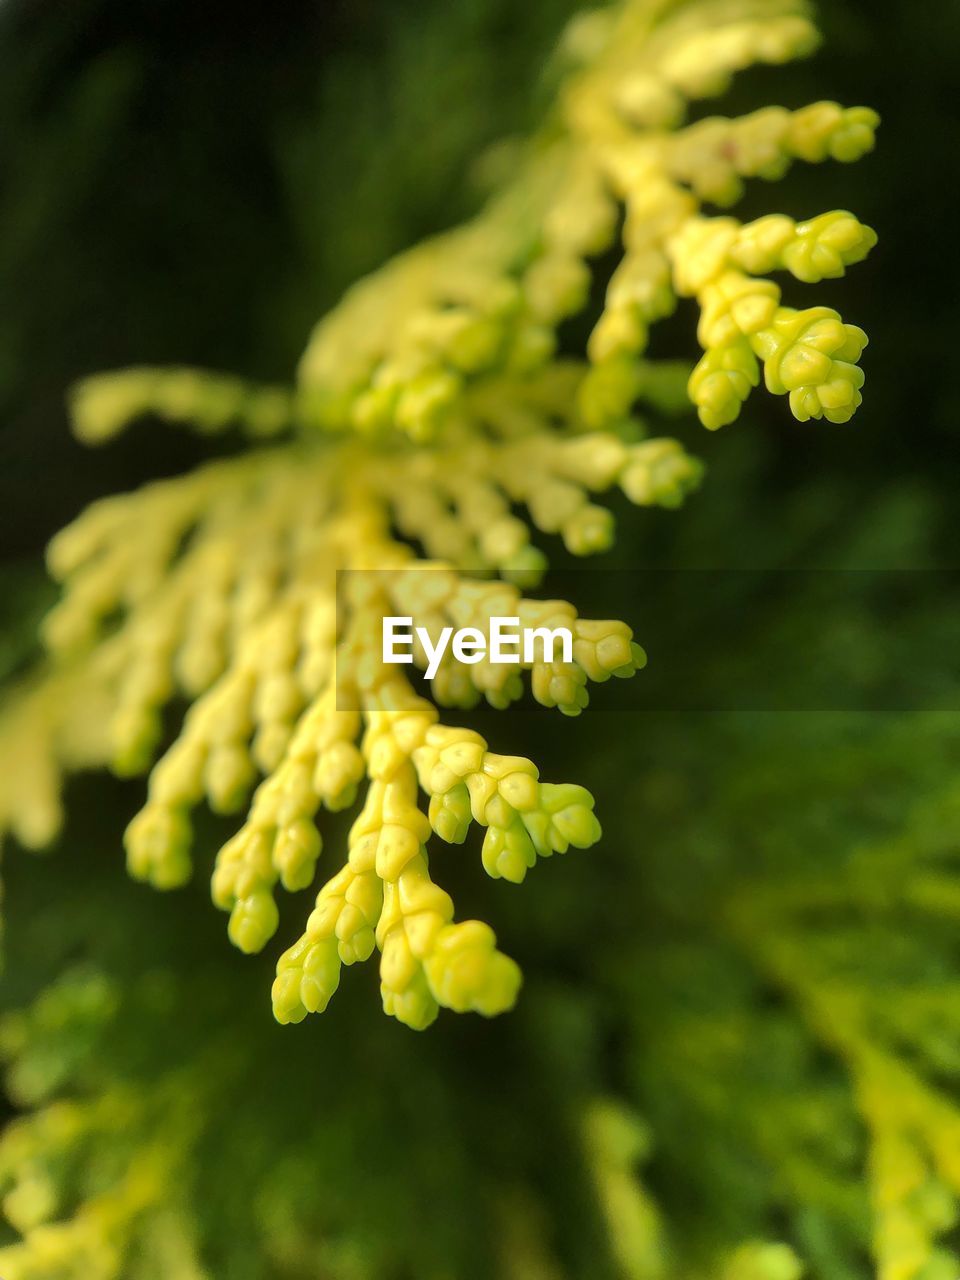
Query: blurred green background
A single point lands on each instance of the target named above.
(182, 182)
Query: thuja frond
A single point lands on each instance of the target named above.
(428, 408)
(232, 598)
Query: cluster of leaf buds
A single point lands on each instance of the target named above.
(431, 408)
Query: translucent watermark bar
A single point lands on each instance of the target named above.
(708, 640)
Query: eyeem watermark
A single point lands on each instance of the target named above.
(505, 642)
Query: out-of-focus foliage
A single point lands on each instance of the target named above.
(776, 1004)
(738, 1044)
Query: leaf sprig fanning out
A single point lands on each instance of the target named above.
(429, 406)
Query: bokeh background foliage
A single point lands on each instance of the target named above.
(179, 184)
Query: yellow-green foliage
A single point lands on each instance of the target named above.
(427, 407)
